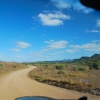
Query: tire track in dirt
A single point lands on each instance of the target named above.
(18, 84)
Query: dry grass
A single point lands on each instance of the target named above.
(10, 66)
(82, 81)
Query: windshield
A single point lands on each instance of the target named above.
(49, 48)
(34, 98)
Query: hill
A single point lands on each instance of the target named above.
(92, 58)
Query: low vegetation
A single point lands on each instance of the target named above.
(6, 67)
(80, 75)
(1, 66)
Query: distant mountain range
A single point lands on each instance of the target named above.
(64, 60)
(94, 57)
(84, 58)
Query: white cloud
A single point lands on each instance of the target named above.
(92, 31)
(62, 3)
(98, 23)
(53, 19)
(74, 4)
(88, 47)
(19, 46)
(96, 41)
(52, 45)
(88, 10)
(95, 31)
(79, 7)
(22, 44)
(71, 50)
(15, 50)
(56, 44)
(58, 52)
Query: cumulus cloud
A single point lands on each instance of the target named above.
(52, 45)
(74, 4)
(22, 44)
(56, 44)
(53, 19)
(98, 23)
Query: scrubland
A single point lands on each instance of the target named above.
(71, 76)
(7, 67)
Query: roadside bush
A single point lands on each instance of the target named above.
(75, 68)
(94, 65)
(14, 66)
(26, 64)
(1, 66)
(38, 78)
(62, 72)
(81, 69)
(46, 66)
(73, 74)
(60, 67)
(90, 85)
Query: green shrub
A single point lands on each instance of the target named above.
(38, 78)
(81, 69)
(73, 74)
(60, 67)
(75, 68)
(62, 72)
(14, 66)
(90, 85)
(46, 66)
(94, 65)
(1, 66)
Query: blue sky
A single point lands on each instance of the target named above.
(38, 30)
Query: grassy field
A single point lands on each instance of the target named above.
(67, 76)
(10, 66)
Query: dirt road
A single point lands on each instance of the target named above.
(18, 84)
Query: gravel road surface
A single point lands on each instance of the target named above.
(18, 84)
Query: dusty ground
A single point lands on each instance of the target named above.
(18, 84)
